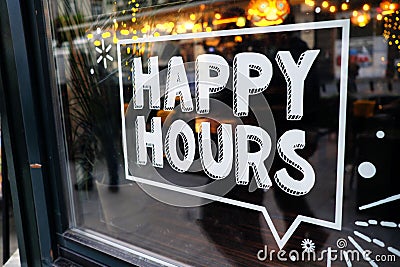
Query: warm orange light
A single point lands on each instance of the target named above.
(192, 16)
(115, 39)
(345, 6)
(310, 3)
(361, 19)
(388, 5)
(366, 7)
(332, 9)
(238, 39)
(268, 12)
(325, 4)
(264, 22)
(124, 32)
(180, 29)
(241, 22)
(379, 17)
(197, 27)
(217, 15)
(387, 12)
(224, 21)
(106, 35)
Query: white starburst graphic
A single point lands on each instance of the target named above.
(104, 54)
(308, 245)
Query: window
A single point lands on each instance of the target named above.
(207, 133)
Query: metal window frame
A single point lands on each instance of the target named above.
(21, 139)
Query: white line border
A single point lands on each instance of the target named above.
(337, 224)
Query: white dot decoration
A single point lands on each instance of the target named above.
(380, 134)
(367, 169)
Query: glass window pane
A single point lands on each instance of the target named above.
(215, 132)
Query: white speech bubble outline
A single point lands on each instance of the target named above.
(337, 224)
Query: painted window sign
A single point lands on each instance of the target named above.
(243, 86)
(215, 114)
(230, 133)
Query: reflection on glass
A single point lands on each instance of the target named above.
(86, 36)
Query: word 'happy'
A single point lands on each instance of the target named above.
(212, 75)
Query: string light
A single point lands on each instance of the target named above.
(125, 32)
(310, 3)
(388, 7)
(392, 29)
(106, 35)
(238, 39)
(360, 18)
(241, 22)
(366, 7)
